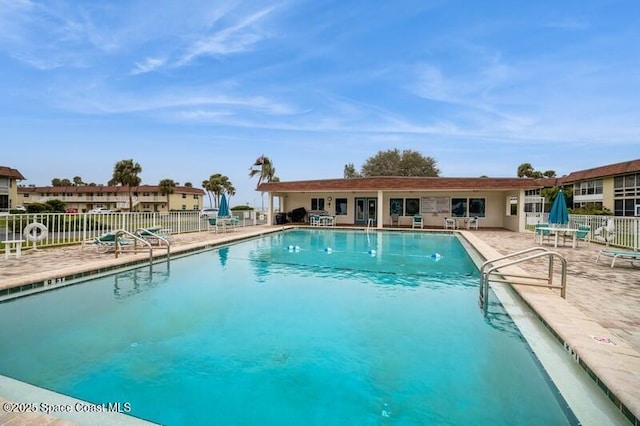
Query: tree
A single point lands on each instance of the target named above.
(526, 170)
(264, 169)
(350, 171)
(125, 173)
(393, 162)
(218, 184)
(166, 187)
(77, 181)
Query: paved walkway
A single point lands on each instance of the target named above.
(608, 298)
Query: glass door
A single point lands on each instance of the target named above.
(366, 209)
(360, 218)
(372, 210)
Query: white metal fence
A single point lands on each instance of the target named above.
(65, 229)
(626, 232)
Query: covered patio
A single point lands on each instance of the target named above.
(379, 201)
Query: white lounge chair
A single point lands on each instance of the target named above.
(632, 256)
(417, 222)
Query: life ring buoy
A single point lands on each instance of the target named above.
(35, 232)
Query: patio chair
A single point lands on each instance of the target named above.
(449, 223)
(632, 256)
(314, 220)
(417, 221)
(542, 230)
(395, 218)
(472, 222)
(214, 224)
(583, 234)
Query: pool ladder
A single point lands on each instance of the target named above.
(490, 270)
(137, 239)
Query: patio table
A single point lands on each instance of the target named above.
(556, 233)
(17, 245)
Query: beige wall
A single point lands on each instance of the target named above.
(495, 206)
(187, 202)
(607, 193)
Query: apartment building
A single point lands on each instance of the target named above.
(145, 198)
(9, 188)
(615, 187)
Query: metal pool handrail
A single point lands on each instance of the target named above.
(505, 277)
(136, 238)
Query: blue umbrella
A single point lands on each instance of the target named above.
(559, 213)
(224, 207)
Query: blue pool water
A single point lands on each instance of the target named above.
(282, 331)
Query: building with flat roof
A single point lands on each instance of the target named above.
(496, 202)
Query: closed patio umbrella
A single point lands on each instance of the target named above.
(224, 207)
(559, 213)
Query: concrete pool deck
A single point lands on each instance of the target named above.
(599, 322)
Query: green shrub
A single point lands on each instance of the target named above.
(592, 211)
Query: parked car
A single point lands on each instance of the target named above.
(21, 208)
(100, 210)
(71, 211)
(207, 213)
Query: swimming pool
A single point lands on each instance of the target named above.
(318, 327)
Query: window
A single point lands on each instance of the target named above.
(395, 206)
(477, 207)
(411, 206)
(459, 207)
(317, 204)
(468, 207)
(626, 194)
(184, 195)
(590, 187)
(341, 206)
(512, 206)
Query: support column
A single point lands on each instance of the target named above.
(380, 209)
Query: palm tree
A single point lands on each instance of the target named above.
(218, 184)
(167, 186)
(525, 170)
(125, 173)
(263, 168)
(77, 181)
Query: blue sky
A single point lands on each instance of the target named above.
(191, 88)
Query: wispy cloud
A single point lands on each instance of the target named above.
(234, 39)
(570, 24)
(148, 65)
